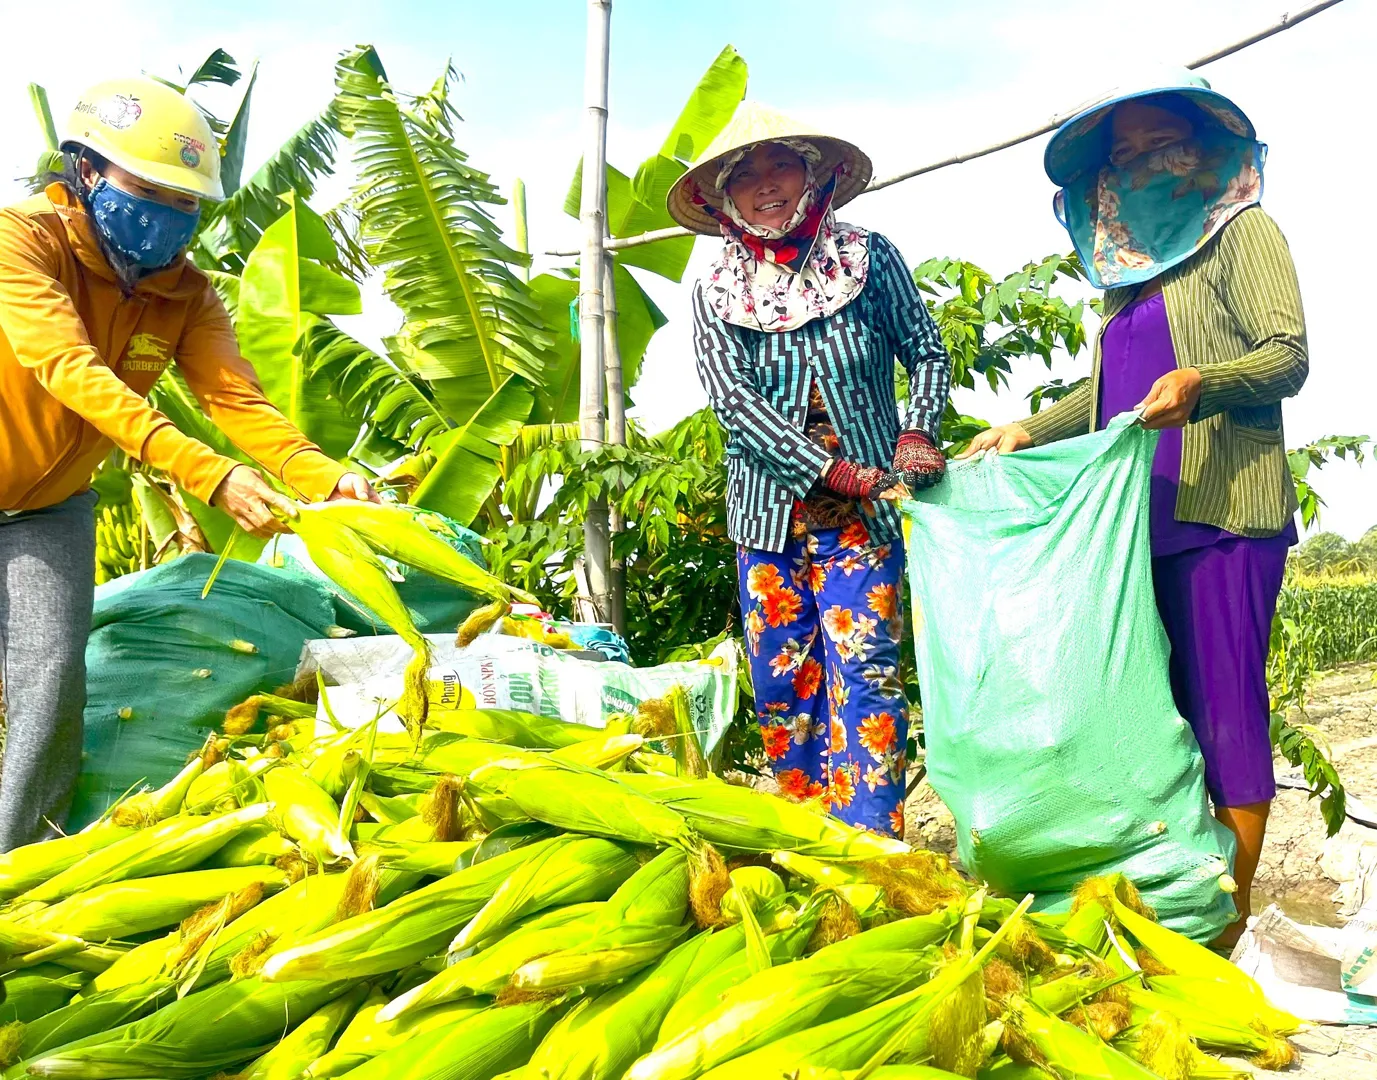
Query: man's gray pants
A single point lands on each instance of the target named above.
(47, 585)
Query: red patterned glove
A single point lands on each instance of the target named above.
(921, 463)
(853, 480)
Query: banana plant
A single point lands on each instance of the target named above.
(473, 329)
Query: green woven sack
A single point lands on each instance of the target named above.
(1048, 716)
(163, 665)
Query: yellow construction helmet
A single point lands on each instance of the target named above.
(150, 130)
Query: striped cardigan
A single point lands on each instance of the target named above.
(758, 386)
(1234, 310)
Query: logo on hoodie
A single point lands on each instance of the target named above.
(146, 352)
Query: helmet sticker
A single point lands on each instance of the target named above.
(192, 149)
(120, 112)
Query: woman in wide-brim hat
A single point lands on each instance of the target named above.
(797, 327)
(1203, 330)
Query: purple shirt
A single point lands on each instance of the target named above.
(1137, 351)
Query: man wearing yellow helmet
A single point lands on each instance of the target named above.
(97, 298)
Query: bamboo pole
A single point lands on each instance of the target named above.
(616, 436)
(593, 215)
(1286, 21)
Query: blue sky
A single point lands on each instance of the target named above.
(908, 81)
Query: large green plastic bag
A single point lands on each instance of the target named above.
(163, 665)
(1048, 717)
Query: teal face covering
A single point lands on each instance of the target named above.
(1130, 223)
(147, 233)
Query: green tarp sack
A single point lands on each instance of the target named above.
(163, 665)
(436, 606)
(1048, 717)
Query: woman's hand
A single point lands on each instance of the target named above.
(353, 486)
(1004, 439)
(1172, 399)
(249, 501)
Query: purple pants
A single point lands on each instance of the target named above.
(1217, 603)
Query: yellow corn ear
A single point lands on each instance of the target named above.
(173, 845)
(136, 906)
(308, 1041)
(343, 555)
(401, 534)
(308, 815)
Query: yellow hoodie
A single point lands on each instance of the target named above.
(78, 356)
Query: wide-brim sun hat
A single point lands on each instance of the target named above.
(1081, 143)
(750, 125)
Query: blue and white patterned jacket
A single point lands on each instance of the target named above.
(758, 385)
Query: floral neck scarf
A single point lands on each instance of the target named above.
(780, 279)
(1131, 223)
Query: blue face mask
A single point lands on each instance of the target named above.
(145, 232)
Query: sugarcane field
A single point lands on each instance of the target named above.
(454, 625)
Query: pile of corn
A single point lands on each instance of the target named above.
(515, 896)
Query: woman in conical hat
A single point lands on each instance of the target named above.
(1202, 330)
(797, 327)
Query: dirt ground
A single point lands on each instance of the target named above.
(1302, 870)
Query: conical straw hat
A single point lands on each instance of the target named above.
(754, 123)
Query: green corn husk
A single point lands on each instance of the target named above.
(867, 1038)
(610, 752)
(571, 870)
(1241, 1002)
(258, 845)
(526, 730)
(839, 979)
(346, 558)
(756, 887)
(601, 1036)
(730, 966)
(491, 969)
(607, 955)
(1161, 1044)
(26, 867)
(817, 872)
(33, 992)
(146, 808)
(125, 908)
(1040, 1039)
(655, 893)
(228, 782)
(587, 801)
(401, 933)
(175, 952)
(22, 946)
(367, 1036)
(308, 1042)
(219, 1027)
(433, 858)
(390, 811)
(400, 533)
(308, 814)
(88, 1017)
(747, 820)
(475, 1048)
(1211, 1029)
(177, 844)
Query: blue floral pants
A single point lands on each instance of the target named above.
(823, 618)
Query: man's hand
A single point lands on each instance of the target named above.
(1172, 399)
(1004, 439)
(249, 501)
(353, 486)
